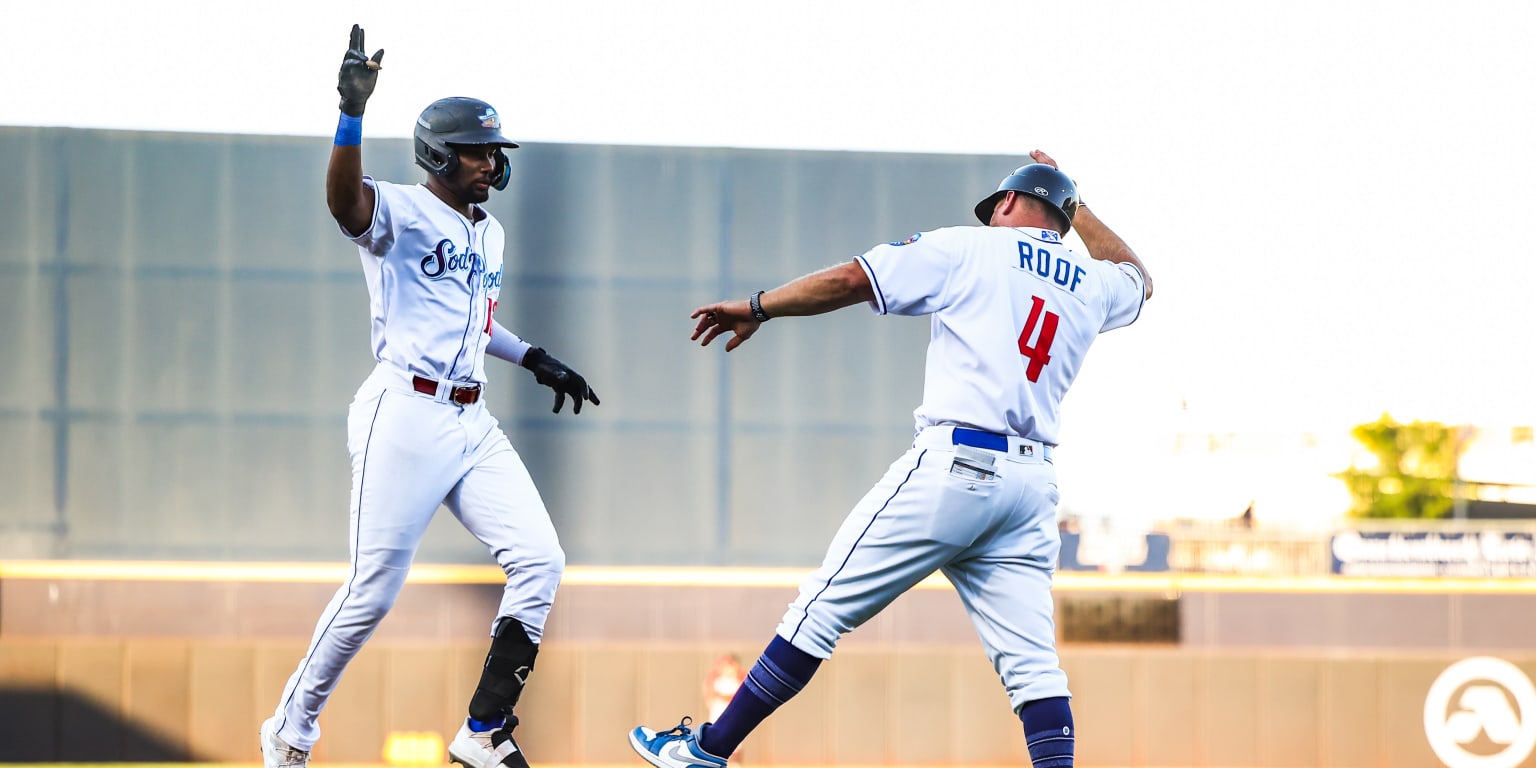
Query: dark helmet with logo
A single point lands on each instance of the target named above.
(1040, 181)
(458, 120)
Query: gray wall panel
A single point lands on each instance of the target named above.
(793, 489)
(663, 514)
(178, 326)
(275, 322)
(28, 189)
(339, 353)
(655, 373)
(561, 205)
(26, 343)
(100, 513)
(27, 479)
(275, 187)
(97, 342)
(175, 487)
(98, 215)
(180, 189)
(213, 327)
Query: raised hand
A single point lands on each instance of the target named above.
(358, 75)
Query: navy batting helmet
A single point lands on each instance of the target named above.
(1040, 181)
(462, 121)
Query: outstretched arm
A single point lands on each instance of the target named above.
(350, 200)
(1102, 243)
(817, 293)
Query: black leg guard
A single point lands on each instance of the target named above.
(507, 666)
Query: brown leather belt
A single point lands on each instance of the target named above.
(458, 395)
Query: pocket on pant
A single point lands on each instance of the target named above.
(962, 512)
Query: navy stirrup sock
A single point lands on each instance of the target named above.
(1049, 732)
(780, 673)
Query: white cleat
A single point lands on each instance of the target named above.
(486, 749)
(275, 753)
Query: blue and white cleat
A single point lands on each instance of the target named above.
(677, 748)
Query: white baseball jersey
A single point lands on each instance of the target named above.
(433, 281)
(1014, 312)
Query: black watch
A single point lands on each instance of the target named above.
(756, 303)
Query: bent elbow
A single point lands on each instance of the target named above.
(340, 201)
(348, 210)
(856, 285)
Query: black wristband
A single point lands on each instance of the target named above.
(756, 303)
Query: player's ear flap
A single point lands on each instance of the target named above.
(503, 172)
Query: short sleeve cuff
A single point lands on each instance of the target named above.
(878, 304)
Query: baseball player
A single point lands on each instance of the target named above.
(418, 429)
(1013, 314)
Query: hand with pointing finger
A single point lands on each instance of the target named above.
(358, 74)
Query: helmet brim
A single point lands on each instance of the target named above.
(986, 206)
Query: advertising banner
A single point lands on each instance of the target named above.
(1474, 554)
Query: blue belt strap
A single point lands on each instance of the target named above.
(979, 439)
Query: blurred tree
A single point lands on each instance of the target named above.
(1415, 474)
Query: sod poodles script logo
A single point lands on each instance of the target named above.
(1481, 713)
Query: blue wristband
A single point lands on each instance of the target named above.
(349, 131)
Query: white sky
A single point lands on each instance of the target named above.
(1337, 200)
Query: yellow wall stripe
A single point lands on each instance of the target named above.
(1168, 583)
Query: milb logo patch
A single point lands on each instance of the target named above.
(910, 240)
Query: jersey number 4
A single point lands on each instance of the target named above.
(1039, 354)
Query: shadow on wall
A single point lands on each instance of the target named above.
(58, 726)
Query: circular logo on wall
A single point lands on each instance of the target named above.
(1481, 713)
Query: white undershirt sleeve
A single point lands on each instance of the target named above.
(506, 345)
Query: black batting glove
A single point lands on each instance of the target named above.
(358, 75)
(558, 376)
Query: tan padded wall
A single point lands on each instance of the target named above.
(1134, 706)
(911, 687)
